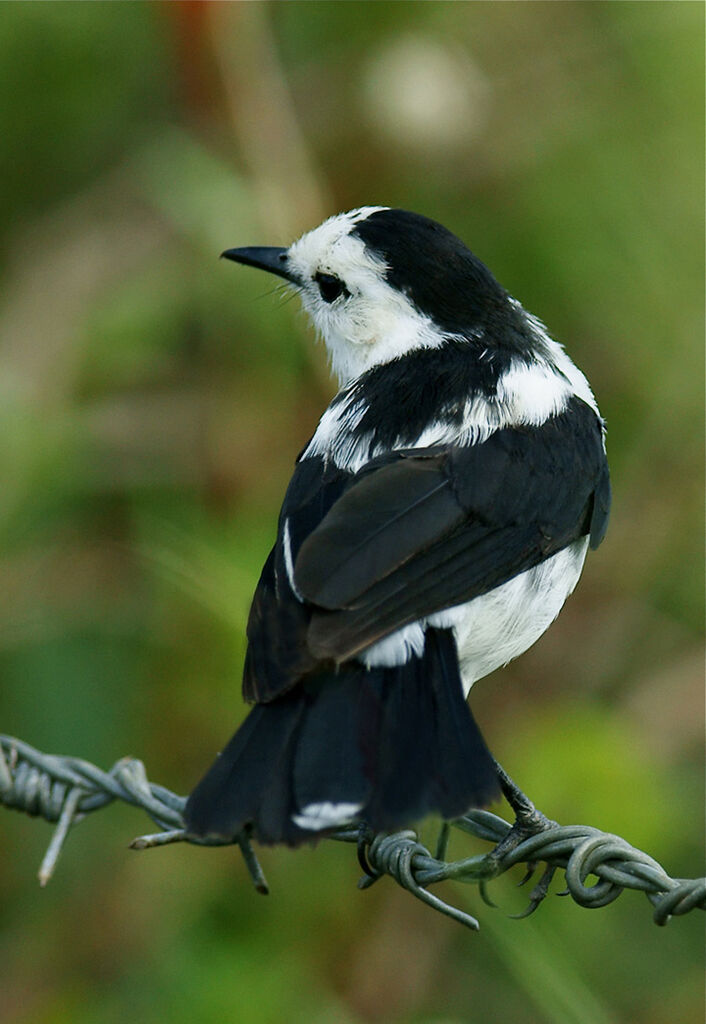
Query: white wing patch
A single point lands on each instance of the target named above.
(395, 649)
(530, 395)
(288, 560)
(525, 396)
(579, 385)
(315, 817)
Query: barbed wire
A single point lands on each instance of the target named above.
(65, 789)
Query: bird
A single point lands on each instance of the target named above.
(434, 525)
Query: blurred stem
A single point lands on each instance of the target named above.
(548, 977)
(288, 190)
(290, 194)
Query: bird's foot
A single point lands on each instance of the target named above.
(528, 820)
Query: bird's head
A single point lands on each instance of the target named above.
(380, 282)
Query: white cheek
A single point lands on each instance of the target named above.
(364, 325)
(361, 333)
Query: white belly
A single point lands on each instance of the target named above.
(493, 629)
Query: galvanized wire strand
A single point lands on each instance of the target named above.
(65, 789)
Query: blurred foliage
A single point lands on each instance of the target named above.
(152, 401)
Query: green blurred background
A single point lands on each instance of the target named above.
(152, 401)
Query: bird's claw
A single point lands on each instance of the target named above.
(365, 837)
(539, 893)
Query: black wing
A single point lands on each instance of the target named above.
(418, 532)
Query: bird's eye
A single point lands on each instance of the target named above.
(330, 286)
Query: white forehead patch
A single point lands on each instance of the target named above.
(332, 249)
(372, 323)
(320, 244)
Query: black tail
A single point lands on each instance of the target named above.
(386, 746)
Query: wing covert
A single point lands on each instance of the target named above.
(437, 529)
(419, 530)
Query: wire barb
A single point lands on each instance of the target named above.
(65, 789)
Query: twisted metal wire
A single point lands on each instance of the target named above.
(65, 789)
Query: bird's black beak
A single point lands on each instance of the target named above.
(270, 258)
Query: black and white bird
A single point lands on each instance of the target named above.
(435, 524)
